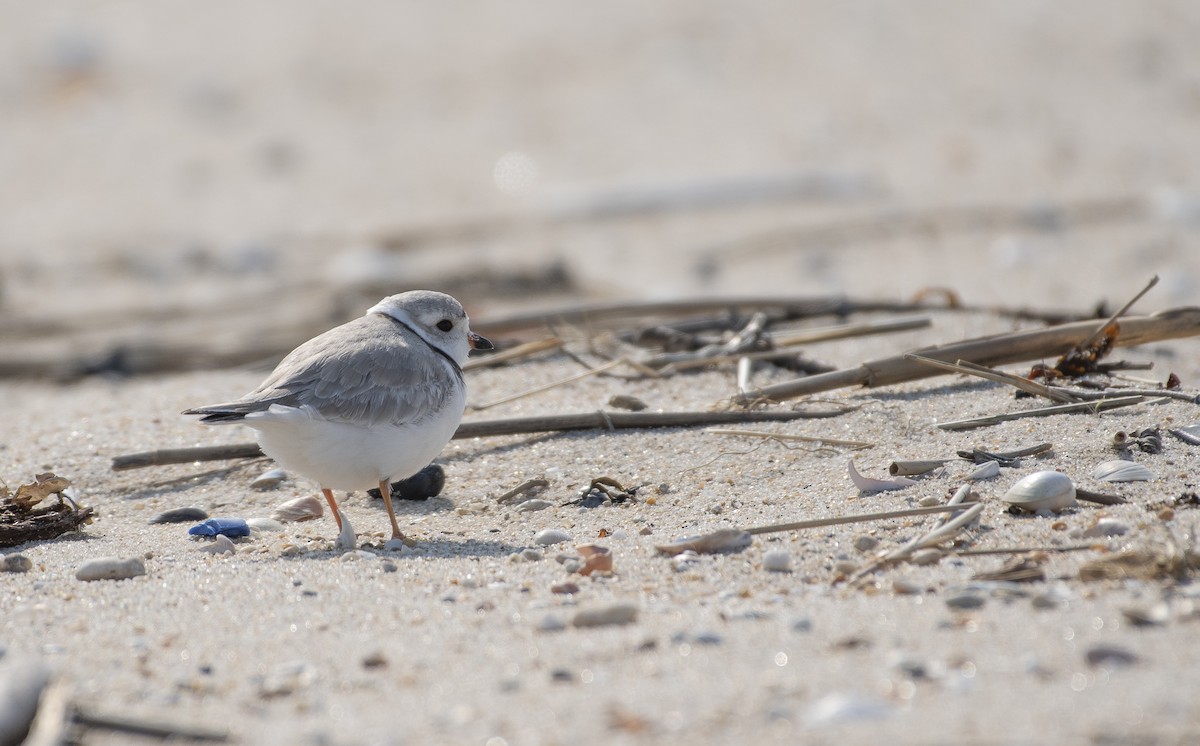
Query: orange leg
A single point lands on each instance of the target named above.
(333, 508)
(385, 489)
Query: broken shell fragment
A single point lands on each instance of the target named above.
(913, 468)
(866, 484)
(987, 470)
(722, 540)
(1119, 470)
(1042, 491)
(269, 479)
(595, 559)
(299, 509)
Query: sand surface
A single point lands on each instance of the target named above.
(183, 161)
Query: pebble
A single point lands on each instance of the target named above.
(549, 536)
(777, 560)
(356, 555)
(180, 515)
(865, 543)
(685, 561)
(222, 545)
(567, 588)
(926, 556)
(533, 505)
(845, 567)
(837, 708)
(965, 600)
(423, 485)
(16, 563)
(929, 502)
(619, 613)
(551, 623)
(905, 587)
(532, 555)
(231, 527)
(388, 566)
(264, 524)
(626, 401)
(298, 509)
(110, 568)
(269, 479)
(21, 683)
(395, 545)
(1109, 655)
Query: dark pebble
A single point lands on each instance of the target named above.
(180, 515)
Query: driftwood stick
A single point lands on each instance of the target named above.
(858, 518)
(847, 331)
(520, 351)
(599, 420)
(993, 350)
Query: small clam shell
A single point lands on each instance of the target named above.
(1119, 470)
(299, 509)
(721, 540)
(1042, 490)
(269, 479)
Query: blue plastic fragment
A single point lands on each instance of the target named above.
(231, 527)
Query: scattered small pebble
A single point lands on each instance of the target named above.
(396, 545)
(231, 527)
(804, 624)
(865, 543)
(1109, 655)
(356, 555)
(567, 588)
(905, 587)
(845, 567)
(16, 563)
(838, 708)
(532, 555)
(222, 545)
(388, 566)
(1147, 616)
(551, 623)
(777, 560)
(549, 536)
(926, 556)
(298, 509)
(965, 600)
(269, 479)
(929, 501)
(618, 613)
(625, 401)
(110, 568)
(685, 561)
(180, 515)
(262, 523)
(375, 660)
(595, 559)
(531, 506)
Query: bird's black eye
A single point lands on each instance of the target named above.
(445, 325)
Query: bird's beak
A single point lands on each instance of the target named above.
(479, 343)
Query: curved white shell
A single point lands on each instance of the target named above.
(1042, 490)
(1119, 470)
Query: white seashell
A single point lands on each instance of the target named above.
(987, 470)
(1042, 491)
(549, 536)
(261, 523)
(721, 540)
(299, 509)
(269, 480)
(222, 544)
(777, 560)
(866, 484)
(1107, 527)
(1119, 470)
(346, 541)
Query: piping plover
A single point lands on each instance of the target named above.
(366, 402)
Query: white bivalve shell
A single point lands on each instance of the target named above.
(1119, 470)
(1042, 491)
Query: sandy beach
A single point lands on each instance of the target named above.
(190, 191)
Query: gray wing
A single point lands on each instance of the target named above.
(368, 371)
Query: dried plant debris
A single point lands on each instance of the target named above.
(603, 491)
(1081, 359)
(1020, 570)
(1168, 560)
(22, 521)
(1189, 434)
